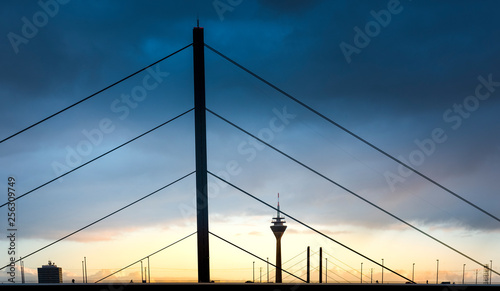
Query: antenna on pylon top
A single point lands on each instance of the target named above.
(197, 20)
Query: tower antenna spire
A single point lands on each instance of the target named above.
(278, 205)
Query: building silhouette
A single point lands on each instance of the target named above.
(50, 273)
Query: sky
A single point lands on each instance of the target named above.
(418, 79)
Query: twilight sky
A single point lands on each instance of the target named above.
(418, 79)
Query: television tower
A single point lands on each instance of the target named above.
(278, 229)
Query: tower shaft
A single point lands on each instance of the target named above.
(201, 156)
(278, 259)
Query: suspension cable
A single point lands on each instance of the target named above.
(94, 94)
(349, 191)
(96, 158)
(102, 218)
(353, 134)
(347, 271)
(307, 226)
(154, 253)
(234, 245)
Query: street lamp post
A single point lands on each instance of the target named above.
(491, 268)
(437, 271)
(253, 272)
(382, 271)
(463, 275)
(326, 270)
(268, 270)
(413, 273)
(361, 272)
